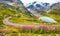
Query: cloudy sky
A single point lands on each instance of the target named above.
(30, 1)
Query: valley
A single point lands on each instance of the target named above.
(16, 18)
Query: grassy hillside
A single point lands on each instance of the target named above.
(18, 14)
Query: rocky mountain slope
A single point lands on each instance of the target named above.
(55, 9)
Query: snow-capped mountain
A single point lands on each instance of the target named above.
(40, 4)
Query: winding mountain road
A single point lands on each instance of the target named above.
(6, 22)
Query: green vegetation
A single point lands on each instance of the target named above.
(30, 34)
(21, 16)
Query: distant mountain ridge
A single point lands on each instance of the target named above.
(55, 9)
(34, 5)
(41, 6)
